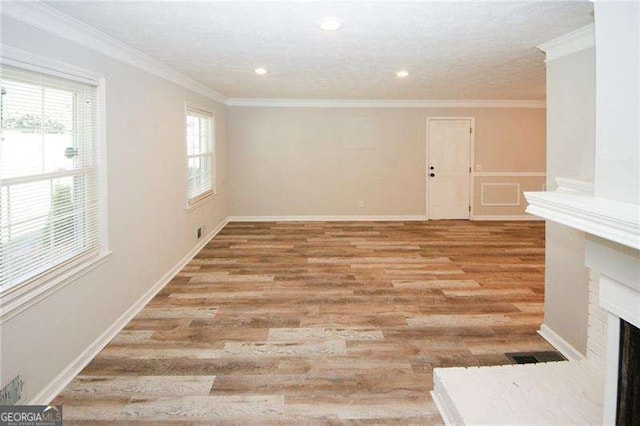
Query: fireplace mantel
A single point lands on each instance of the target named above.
(575, 206)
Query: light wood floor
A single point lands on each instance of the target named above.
(321, 323)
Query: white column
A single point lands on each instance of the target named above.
(617, 101)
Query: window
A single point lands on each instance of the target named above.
(200, 155)
(49, 218)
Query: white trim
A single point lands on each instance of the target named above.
(200, 200)
(575, 41)
(516, 184)
(26, 60)
(472, 155)
(612, 220)
(49, 19)
(207, 113)
(46, 176)
(53, 388)
(15, 300)
(198, 109)
(443, 409)
(505, 217)
(510, 174)
(564, 347)
(338, 218)
(566, 184)
(21, 298)
(385, 103)
(619, 299)
(103, 177)
(369, 218)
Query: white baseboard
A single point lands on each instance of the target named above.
(368, 218)
(46, 395)
(564, 347)
(505, 217)
(345, 218)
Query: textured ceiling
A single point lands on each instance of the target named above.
(452, 50)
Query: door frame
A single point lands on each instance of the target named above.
(427, 192)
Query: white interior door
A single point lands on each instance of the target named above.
(448, 168)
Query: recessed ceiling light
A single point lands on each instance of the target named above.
(331, 24)
(261, 71)
(402, 74)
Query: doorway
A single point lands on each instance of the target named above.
(449, 159)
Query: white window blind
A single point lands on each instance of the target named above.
(48, 175)
(200, 154)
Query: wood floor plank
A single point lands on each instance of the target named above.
(320, 322)
(139, 386)
(317, 333)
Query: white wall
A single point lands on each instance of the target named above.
(570, 154)
(149, 230)
(323, 161)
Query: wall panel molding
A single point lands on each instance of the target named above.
(509, 174)
(484, 188)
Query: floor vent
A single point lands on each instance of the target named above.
(534, 357)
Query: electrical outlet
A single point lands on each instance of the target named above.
(360, 203)
(11, 393)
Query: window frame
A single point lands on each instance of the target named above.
(19, 297)
(199, 199)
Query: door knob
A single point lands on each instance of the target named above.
(432, 174)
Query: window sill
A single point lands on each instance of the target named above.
(16, 300)
(199, 201)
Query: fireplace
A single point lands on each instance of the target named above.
(628, 406)
(604, 388)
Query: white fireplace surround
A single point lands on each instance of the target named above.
(612, 251)
(580, 391)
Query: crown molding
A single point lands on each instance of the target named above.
(46, 18)
(385, 103)
(573, 42)
(49, 19)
